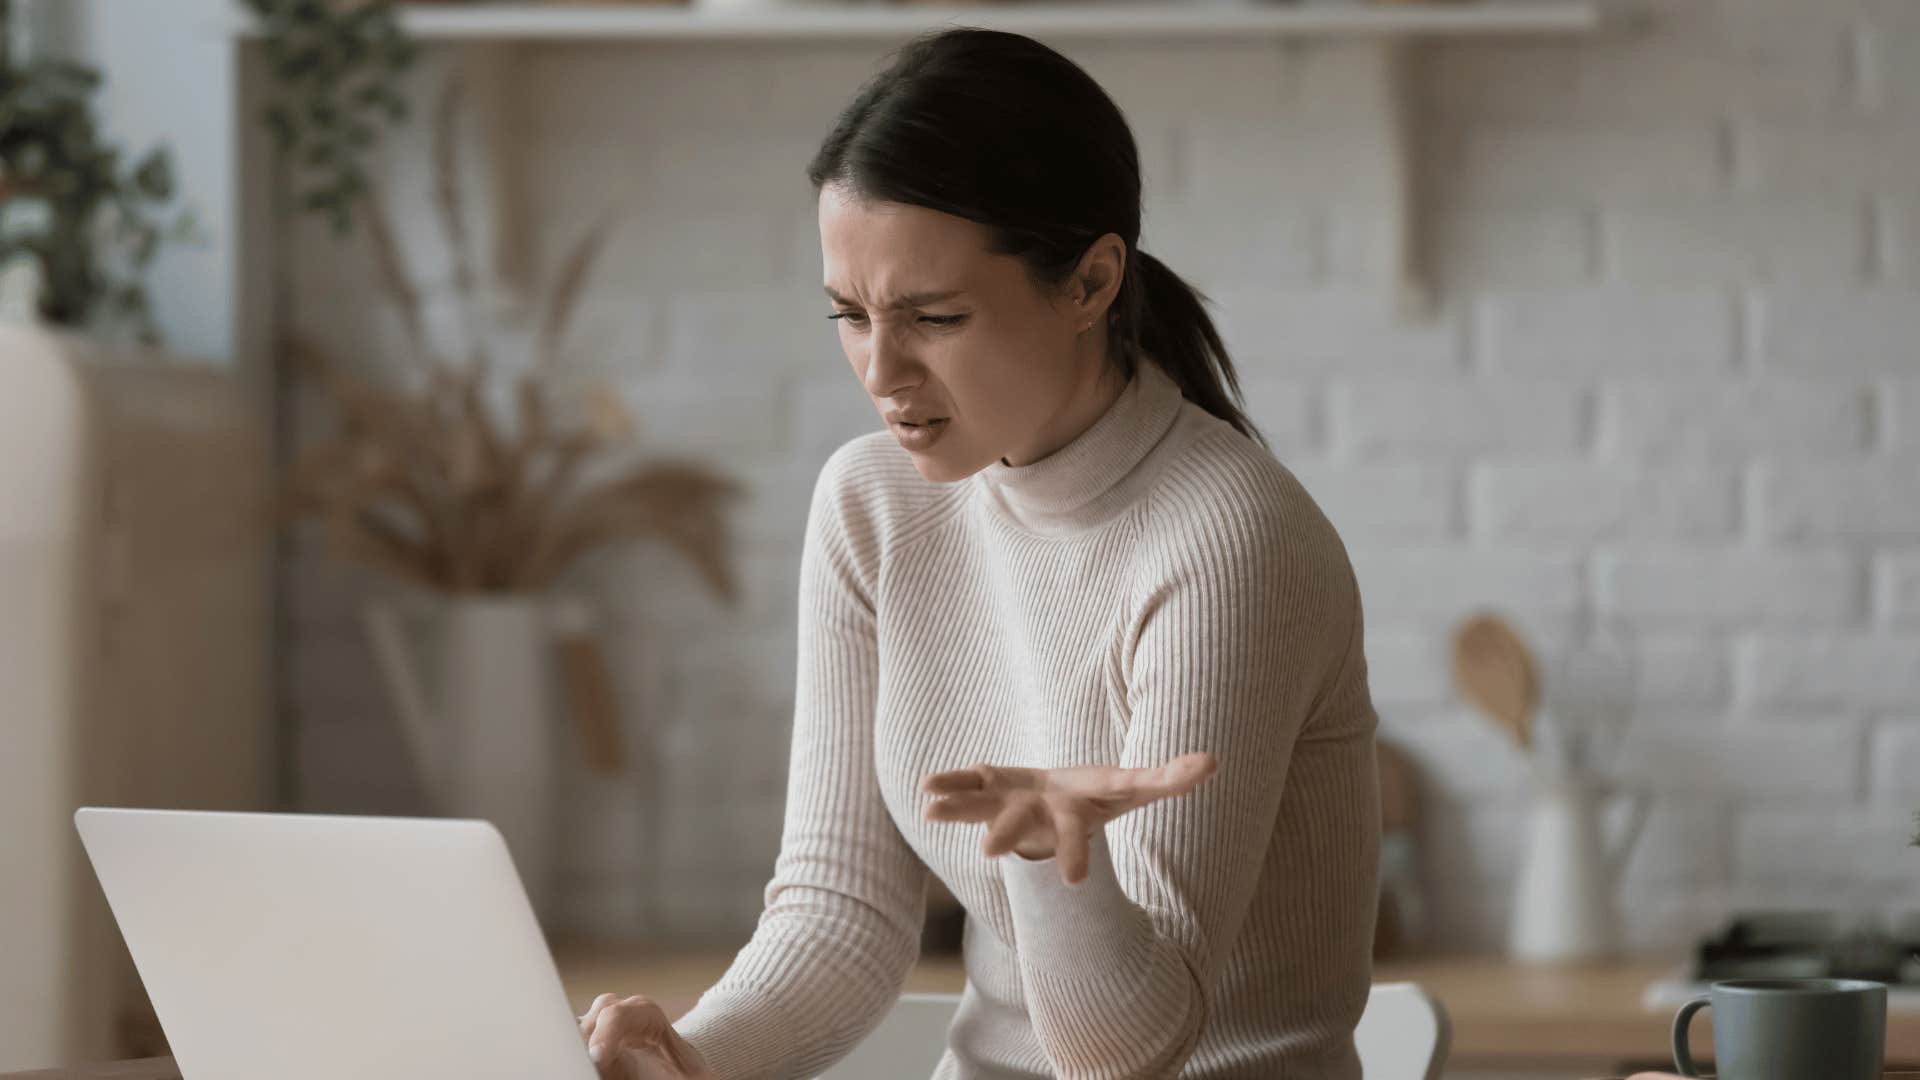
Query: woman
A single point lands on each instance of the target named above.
(1071, 638)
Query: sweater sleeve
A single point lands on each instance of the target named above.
(841, 926)
(1238, 628)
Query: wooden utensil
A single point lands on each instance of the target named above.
(1494, 670)
(590, 697)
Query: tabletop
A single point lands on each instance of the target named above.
(1583, 1020)
(162, 1069)
(144, 1069)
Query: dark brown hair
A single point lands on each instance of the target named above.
(1001, 130)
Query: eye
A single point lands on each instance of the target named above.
(943, 320)
(854, 317)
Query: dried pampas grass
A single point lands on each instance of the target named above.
(431, 486)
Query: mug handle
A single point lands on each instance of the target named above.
(1682, 1056)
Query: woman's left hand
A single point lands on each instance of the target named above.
(1039, 813)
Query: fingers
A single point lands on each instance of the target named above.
(1131, 789)
(1021, 815)
(651, 1065)
(957, 781)
(620, 1066)
(981, 778)
(623, 1023)
(593, 1012)
(1008, 829)
(631, 1038)
(1071, 843)
(1183, 774)
(967, 806)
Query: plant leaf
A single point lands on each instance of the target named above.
(575, 270)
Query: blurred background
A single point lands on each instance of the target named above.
(417, 414)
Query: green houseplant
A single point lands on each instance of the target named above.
(337, 70)
(82, 223)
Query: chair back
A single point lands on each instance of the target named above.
(908, 1043)
(1403, 1034)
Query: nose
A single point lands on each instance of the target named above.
(890, 367)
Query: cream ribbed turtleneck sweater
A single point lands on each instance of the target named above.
(1157, 586)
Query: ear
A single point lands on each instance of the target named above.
(1096, 281)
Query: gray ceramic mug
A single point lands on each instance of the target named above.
(1790, 1029)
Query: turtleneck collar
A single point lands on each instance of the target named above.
(1085, 482)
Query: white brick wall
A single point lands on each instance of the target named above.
(1557, 163)
(1897, 234)
(1815, 501)
(1407, 499)
(1857, 154)
(1733, 419)
(1380, 418)
(1827, 670)
(1682, 669)
(1286, 411)
(1895, 757)
(1899, 589)
(1826, 331)
(1816, 757)
(1684, 841)
(1811, 238)
(1901, 409)
(1727, 588)
(1667, 415)
(1508, 246)
(1583, 502)
(1326, 331)
(1610, 330)
(1863, 845)
(1438, 583)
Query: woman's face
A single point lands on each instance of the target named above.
(980, 363)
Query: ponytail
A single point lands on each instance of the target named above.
(1163, 318)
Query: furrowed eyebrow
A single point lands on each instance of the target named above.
(910, 300)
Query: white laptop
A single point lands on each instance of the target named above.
(310, 947)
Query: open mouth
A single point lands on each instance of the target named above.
(922, 435)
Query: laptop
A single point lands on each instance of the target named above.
(315, 947)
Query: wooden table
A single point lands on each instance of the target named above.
(162, 1069)
(1573, 1020)
(1578, 1021)
(1583, 1018)
(147, 1069)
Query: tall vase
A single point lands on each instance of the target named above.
(1566, 904)
(480, 720)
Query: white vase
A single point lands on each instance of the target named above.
(22, 282)
(480, 721)
(1566, 903)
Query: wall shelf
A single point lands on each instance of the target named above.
(189, 71)
(602, 22)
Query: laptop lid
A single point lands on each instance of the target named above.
(315, 947)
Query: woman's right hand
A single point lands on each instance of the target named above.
(1044, 813)
(630, 1038)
